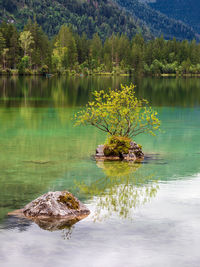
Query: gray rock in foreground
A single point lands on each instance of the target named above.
(55, 204)
(54, 210)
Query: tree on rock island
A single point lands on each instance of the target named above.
(120, 114)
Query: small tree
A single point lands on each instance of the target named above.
(26, 40)
(119, 113)
(4, 55)
(59, 57)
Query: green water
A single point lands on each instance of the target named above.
(141, 214)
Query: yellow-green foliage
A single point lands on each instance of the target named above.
(70, 201)
(119, 113)
(59, 56)
(26, 40)
(117, 145)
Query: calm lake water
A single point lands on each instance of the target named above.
(141, 214)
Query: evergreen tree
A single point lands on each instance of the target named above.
(2, 47)
(66, 39)
(83, 46)
(96, 48)
(14, 49)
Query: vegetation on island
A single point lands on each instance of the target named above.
(121, 115)
(30, 52)
(117, 145)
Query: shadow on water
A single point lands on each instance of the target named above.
(154, 159)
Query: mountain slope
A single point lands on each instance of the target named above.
(157, 22)
(89, 16)
(185, 10)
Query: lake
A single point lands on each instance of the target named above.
(144, 214)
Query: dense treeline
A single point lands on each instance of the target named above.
(31, 52)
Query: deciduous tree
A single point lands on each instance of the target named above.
(119, 113)
(26, 40)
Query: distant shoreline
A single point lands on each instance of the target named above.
(107, 74)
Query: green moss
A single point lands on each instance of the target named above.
(70, 201)
(116, 146)
(140, 146)
(110, 150)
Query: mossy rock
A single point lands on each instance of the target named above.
(116, 146)
(110, 150)
(70, 201)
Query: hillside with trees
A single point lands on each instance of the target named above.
(85, 16)
(104, 17)
(159, 23)
(184, 10)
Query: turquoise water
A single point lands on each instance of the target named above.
(141, 214)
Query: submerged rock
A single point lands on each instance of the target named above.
(54, 210)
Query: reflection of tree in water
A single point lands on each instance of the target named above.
(122, 190)
(121, 199)
(65, 91)
(61, 91)
(67, 233)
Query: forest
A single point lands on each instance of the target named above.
(96, 16)
(31, 52)
(184, 10)
(85, 16)
(159, 22)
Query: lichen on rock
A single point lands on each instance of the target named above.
(69, 200)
